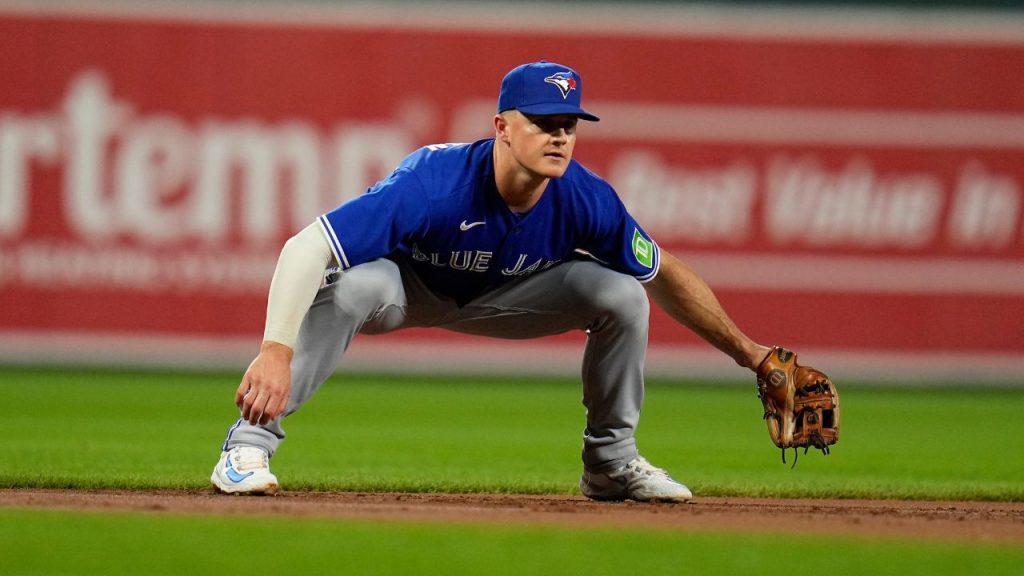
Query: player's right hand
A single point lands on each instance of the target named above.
(266, 386)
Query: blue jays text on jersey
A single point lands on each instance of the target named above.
(441, 211)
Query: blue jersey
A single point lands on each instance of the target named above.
(441, 210)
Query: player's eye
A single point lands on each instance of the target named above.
(554, 124)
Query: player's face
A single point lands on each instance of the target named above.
(542, 145)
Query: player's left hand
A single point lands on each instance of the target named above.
(265, 389)
(801, 404)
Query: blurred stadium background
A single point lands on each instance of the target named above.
(849, 177)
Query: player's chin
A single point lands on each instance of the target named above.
(553, 166)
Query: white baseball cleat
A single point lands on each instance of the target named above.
(638, 480)
(244, 470)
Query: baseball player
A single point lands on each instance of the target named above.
(506, 237)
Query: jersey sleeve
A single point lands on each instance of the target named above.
(376, 223)
(619, 242)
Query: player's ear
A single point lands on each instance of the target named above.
(501, 128)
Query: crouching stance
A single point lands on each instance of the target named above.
(506, 237)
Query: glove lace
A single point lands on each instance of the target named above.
(815, 439)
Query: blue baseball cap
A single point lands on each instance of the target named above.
(543, 88)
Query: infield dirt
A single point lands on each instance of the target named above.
(954, 521)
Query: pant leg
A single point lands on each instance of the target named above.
(368, 298)
(613, 309)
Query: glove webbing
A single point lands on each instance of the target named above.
(815, 439)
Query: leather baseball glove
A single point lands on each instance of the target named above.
(801, 404)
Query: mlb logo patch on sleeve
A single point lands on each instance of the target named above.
(643, 249)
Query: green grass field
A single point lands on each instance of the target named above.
(135, 429)
(47, 542)
(110, 429)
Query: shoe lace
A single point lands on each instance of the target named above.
(249, 458)
(640, 465)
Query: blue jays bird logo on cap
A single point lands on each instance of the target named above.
(525, 88)
(564, 81)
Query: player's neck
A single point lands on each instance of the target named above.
(521, 194)
(518, 187)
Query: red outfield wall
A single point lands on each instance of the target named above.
(859, 196)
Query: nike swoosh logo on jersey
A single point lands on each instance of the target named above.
(233, 475)
(467, 225)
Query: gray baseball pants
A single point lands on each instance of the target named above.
(384, 295)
